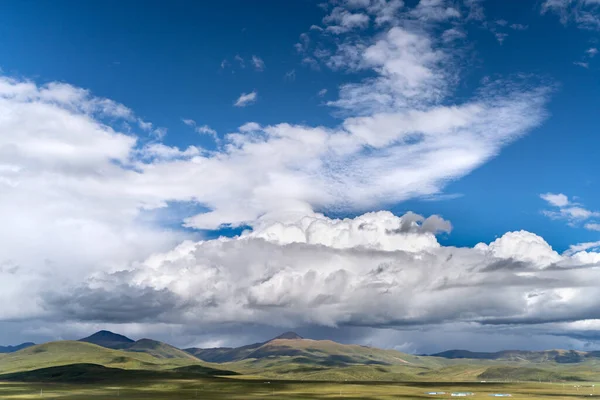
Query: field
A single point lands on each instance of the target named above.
(228, 388)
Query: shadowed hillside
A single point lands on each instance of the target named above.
(93, 373)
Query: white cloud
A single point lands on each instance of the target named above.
(584, 13)
(240, 61)
(573, 249)
(592, 227)
(500, 37)
(522, 246)
(202, 129)
(258, 63)
(519, 27)
(376, 269)
(59, 177)
(341, 21)
(246, 99)
(322, 92)
(581, 64)
(435, 10)
(206, 130)
(453, 34)
(250, 127)
(592, 51)
(557, 200)
(567, 210)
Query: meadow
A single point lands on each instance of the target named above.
(241, 388)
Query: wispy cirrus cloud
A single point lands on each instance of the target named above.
(258, 63)
(246, 99)
(584, 13)
(567, 210)
(203, 129)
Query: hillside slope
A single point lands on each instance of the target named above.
(158, 349)
(74, 352)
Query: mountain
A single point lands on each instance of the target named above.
(154, 348)
(12, 349)
(158, 349)
(287, 356)
(108, 339)
(288, 336)
(223, 354)
(230, 354)
(546, 356)
(294, 348)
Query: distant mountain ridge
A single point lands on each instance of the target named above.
(12, 349)
(230, 354)
(155, 348)
(289, 356)
(558, 356)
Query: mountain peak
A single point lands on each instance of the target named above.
(108, 339)
(288, 336)
(12, 349)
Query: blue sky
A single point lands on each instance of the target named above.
(165, 63)
(481, 113)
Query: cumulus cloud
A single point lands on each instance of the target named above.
(373, 270)
(246, 99)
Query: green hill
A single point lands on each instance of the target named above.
(74, 352)
(159, 349)
(289, 357)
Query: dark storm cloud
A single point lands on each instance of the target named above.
(122, 303)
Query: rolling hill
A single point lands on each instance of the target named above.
(75, 352)
(105, 355)
(158, 349)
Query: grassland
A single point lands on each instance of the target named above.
(222, 388)
(282, 368)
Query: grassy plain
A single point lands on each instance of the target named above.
(224, 388)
